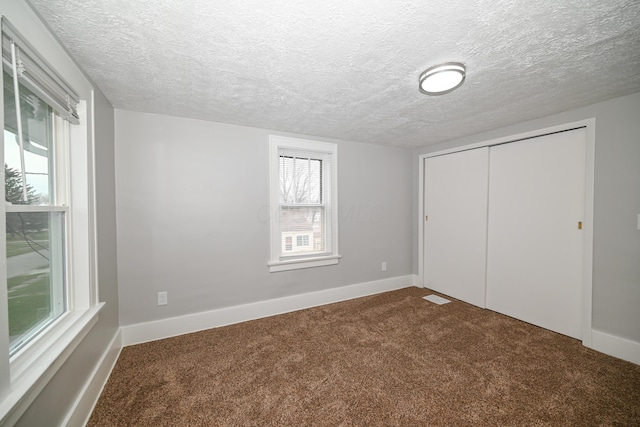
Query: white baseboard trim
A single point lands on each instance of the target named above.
(82, 408)
(612, 345)
(166, 328)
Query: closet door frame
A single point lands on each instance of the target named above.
(587, 281)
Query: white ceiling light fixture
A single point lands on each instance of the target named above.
(442, 78)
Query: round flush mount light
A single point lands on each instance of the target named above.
(442, 78)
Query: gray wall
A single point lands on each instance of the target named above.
(193, 203)
(106, 213)
(616, 263)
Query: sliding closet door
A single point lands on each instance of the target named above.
(455, 228)
(535, 241)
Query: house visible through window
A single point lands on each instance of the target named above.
(304, 203)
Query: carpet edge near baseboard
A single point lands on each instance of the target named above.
(165, 328)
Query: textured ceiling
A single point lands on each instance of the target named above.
(349, 69)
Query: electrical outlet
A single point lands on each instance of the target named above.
(384, 266)
(162, 298)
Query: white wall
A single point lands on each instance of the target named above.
(616, 263)
(193, 204)
(67, 386)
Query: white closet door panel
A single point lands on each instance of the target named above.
(456, 187)
(535, 246)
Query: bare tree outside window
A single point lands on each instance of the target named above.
(300, 180)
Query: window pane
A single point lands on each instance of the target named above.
(35, 273)
(302, 230)
(37, 131)
(300, 180)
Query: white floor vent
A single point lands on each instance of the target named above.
(436, 299)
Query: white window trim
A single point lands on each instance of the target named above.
(276, 263)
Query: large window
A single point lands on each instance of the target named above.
(303, 179)
(48, 298)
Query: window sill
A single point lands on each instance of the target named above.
(295, 264)
(31, 371)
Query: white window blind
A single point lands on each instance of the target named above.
(35, 73)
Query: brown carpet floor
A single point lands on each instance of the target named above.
(388, 359)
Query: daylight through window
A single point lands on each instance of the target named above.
(38, 107)
(35, 224)
(303, 188)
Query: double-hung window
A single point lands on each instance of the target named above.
(36, 213)
(47, 300)
(38, 109)
(304, 203)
